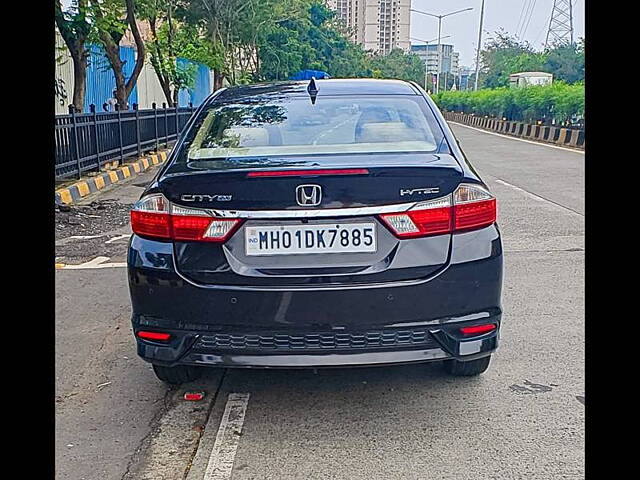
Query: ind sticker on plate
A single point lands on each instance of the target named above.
(304, 239)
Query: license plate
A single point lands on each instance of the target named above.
(301, 239)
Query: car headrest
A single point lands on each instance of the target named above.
(247, 136)
(387, 132)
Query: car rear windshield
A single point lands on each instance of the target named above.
(294, 126)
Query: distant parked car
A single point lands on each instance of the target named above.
(270, 239)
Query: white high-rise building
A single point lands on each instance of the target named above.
(378, 25)
(429, 55)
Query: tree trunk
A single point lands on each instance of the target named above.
(131, 19)
(157, 60)
(75, 38)
(217, 80)
(112, 51)
(79, 80)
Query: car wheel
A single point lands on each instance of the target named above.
(467, 369)
(177, 375)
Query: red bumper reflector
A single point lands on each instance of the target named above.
(158, 336)
(308, 173)
(194, 396)
(478, 329)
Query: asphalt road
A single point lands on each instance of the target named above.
(524, 418)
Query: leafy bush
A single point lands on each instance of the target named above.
(559, 101)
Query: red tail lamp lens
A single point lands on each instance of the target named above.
(469, 207)
(478, 329)
(475, 215)
(156, 336)
(151, 224)
(154, 216)
(427, 218)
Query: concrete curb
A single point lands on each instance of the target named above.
(82, 188)
(564, 137)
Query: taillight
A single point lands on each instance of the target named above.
(154, 216)
(474, 207)
(427, 218)
(150, 217)
(468, 208)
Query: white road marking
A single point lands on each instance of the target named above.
(98, 262)
(224, 449)
(119, 237)
(581, 152)
(84, 237)
(536, 197)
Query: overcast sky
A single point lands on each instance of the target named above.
(508, 14)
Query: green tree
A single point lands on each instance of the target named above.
(112, 19)
(504, 55)
(233, 28)
(75, 26)
(171, 38)
(310, 39)
(566, 62)
(398, 64)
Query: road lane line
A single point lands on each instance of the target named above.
(536, 197)
(224, 449)
(119, 237)
(98, 262)
(520, 139)
(84, 237)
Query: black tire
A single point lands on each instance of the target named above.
(467, 369)
(177, 375)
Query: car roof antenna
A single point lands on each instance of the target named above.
(313, 90)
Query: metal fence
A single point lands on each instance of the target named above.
(86, 141)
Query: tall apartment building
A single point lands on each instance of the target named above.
(378, 25)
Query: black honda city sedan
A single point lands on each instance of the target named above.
(315, 224)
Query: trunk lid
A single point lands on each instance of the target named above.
(232, 189)
(390, 180)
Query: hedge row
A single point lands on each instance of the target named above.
(559, 102)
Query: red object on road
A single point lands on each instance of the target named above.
(194, 396)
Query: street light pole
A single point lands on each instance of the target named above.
(439, 57)
(479, 46)
(440, 17)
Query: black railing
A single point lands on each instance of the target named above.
(86, 141)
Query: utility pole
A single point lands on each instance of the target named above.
(439, 58)
(479, 46)
(561, 24)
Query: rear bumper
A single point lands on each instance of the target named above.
(469, 349)
(405, 322)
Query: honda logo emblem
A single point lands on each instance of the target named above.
(308, 195)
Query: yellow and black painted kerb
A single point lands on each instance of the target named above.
(80, 189)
